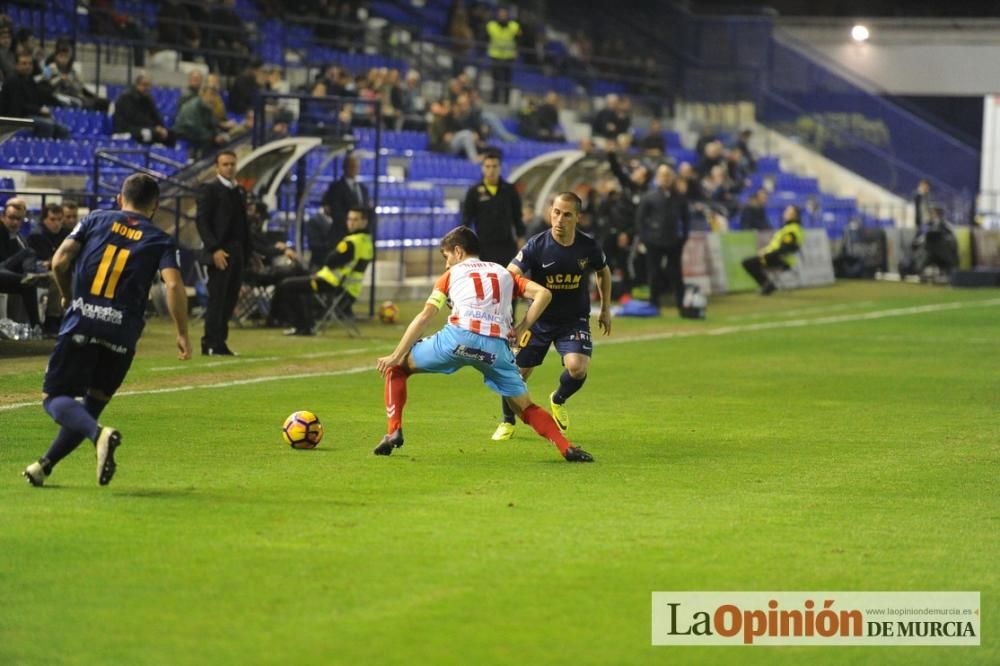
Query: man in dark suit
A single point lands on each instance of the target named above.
(15, 257)
(222, 223)
(663, 224)
(342, 195)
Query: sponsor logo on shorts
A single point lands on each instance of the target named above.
(475, 354)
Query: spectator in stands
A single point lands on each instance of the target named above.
(341, 273)
(16, 258)
(177, 29)
(706, 137)
(746, 155)
(736, 170)
(547, 127)
(492, 209)
(246, 86)
(341, 196)
(458, 85)
(534, 224)
(610, 123)
(718, 190)
(779, 253)
(662, 223)
(106, 20)
(264, 269)
(712, 157)
(44, 240)
(8, 61)
(228, 34)
(922, 204)
(64, 82)
(412, 106)
(486, 125)
(23, 97)
(196, 124)
(71, 214)
(687, 173)
(196, 81)
(26, 42)
(654, 144)
(46, 236)
(502, 34)
(136, 114)
(446, 136)
(218, 106)
(460, 33)
(754, 215)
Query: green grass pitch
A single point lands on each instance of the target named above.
(844, 438)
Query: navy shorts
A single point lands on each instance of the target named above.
(573, 338)
(79, 363)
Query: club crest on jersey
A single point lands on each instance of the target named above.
(582, 263)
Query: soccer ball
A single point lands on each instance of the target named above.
(302, 430)
(388, 312)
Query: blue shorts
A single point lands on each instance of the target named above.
(79, 363)
(572, 338)
(453, 348)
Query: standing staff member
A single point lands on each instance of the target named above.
(502, 50)
(663, 225)
(222, 223)
(493, 210)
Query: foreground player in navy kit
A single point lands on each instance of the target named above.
(116, 255)
(561, 260)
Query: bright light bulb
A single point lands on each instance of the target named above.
(859, 33)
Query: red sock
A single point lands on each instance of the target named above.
(395, 397)
(542, 422)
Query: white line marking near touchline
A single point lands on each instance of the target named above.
(724, 330)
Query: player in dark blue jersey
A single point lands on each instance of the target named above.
(114, 257)
(561, 260)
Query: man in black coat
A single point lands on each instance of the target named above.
(754, 216)
(22, 97)
(340, 197)
(663, 225)
(493, 210)
(136, 114)
(15, 257)
(222, 223)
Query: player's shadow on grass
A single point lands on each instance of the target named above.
(153, 493)
(11, 348)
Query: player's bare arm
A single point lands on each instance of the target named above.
(413, 333)
(177, 306)
(604, 286)
(62, 268)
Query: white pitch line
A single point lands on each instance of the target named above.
(724, 330)
(240, 361)
(802, 311)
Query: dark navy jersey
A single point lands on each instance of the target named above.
(120, 255)
(564, 271)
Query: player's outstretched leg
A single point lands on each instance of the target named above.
(395, 401)
(545, 425)
(109, 440)
(393, 440)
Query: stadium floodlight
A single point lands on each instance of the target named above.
(859, 33)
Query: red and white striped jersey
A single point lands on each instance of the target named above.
(481, 294)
